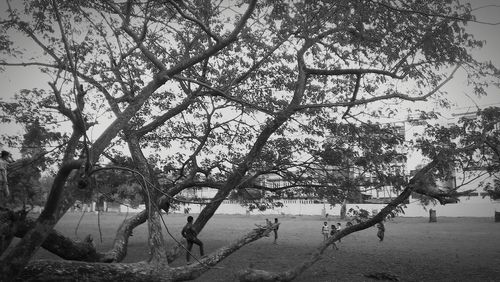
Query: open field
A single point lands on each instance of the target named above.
(453, 249)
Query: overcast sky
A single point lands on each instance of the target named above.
(461, 94)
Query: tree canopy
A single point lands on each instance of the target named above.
(218, 94)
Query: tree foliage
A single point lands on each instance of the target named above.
(220, 94)
(470, 146)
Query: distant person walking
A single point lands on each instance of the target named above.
(381, 231)
(4, 185)
(325, 230)
(190, 234)
(276, 231)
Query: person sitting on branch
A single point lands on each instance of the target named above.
(4, 185)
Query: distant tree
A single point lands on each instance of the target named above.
(359, 158)
(470, 147)
(25, 174)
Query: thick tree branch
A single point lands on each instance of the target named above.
(120, 244)
(46, 270)
(220, 93)
(312, 71)
(383, 97)
(252, 275)
(186, 102)
(16, 259)
(60, 245)
(238, 174)
(102, 142)
(195, 270)
(354, 94)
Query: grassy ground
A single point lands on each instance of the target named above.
(453, 249)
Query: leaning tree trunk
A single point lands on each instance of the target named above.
(9, 224)
(49, 270)
(254, 275)
(13, 261)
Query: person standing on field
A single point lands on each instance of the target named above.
(190, 234)
(381, 231)
(325, 230)
(275, 231)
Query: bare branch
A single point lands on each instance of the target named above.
(383, 97)
(220, 93)
(137, 39)
(354, 94)
(312, 71)
(60, 103)
(196, 21)
(400, 10)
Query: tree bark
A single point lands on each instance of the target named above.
(48, 270)
(432, 215)
(16, 259)
(269, 129)
(9, 224)
(151, 195)
(120, 244)
(69, 249)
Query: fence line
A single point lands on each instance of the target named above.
(467, 207)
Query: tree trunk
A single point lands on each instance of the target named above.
(47, 270)
(15, 260)
(9, 224)
(432, 215)
(120, 244)
(151, 194)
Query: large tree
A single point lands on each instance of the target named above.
(216, 95)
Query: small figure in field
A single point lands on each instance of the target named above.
(381, 231)
(275, 231)
(339, 227)
(325, 230)
(4, 186)
(190, 234)
(332, 232)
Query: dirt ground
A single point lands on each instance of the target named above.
(453, 249)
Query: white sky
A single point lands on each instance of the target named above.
(461, 94)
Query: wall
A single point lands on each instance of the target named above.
(467, 207)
